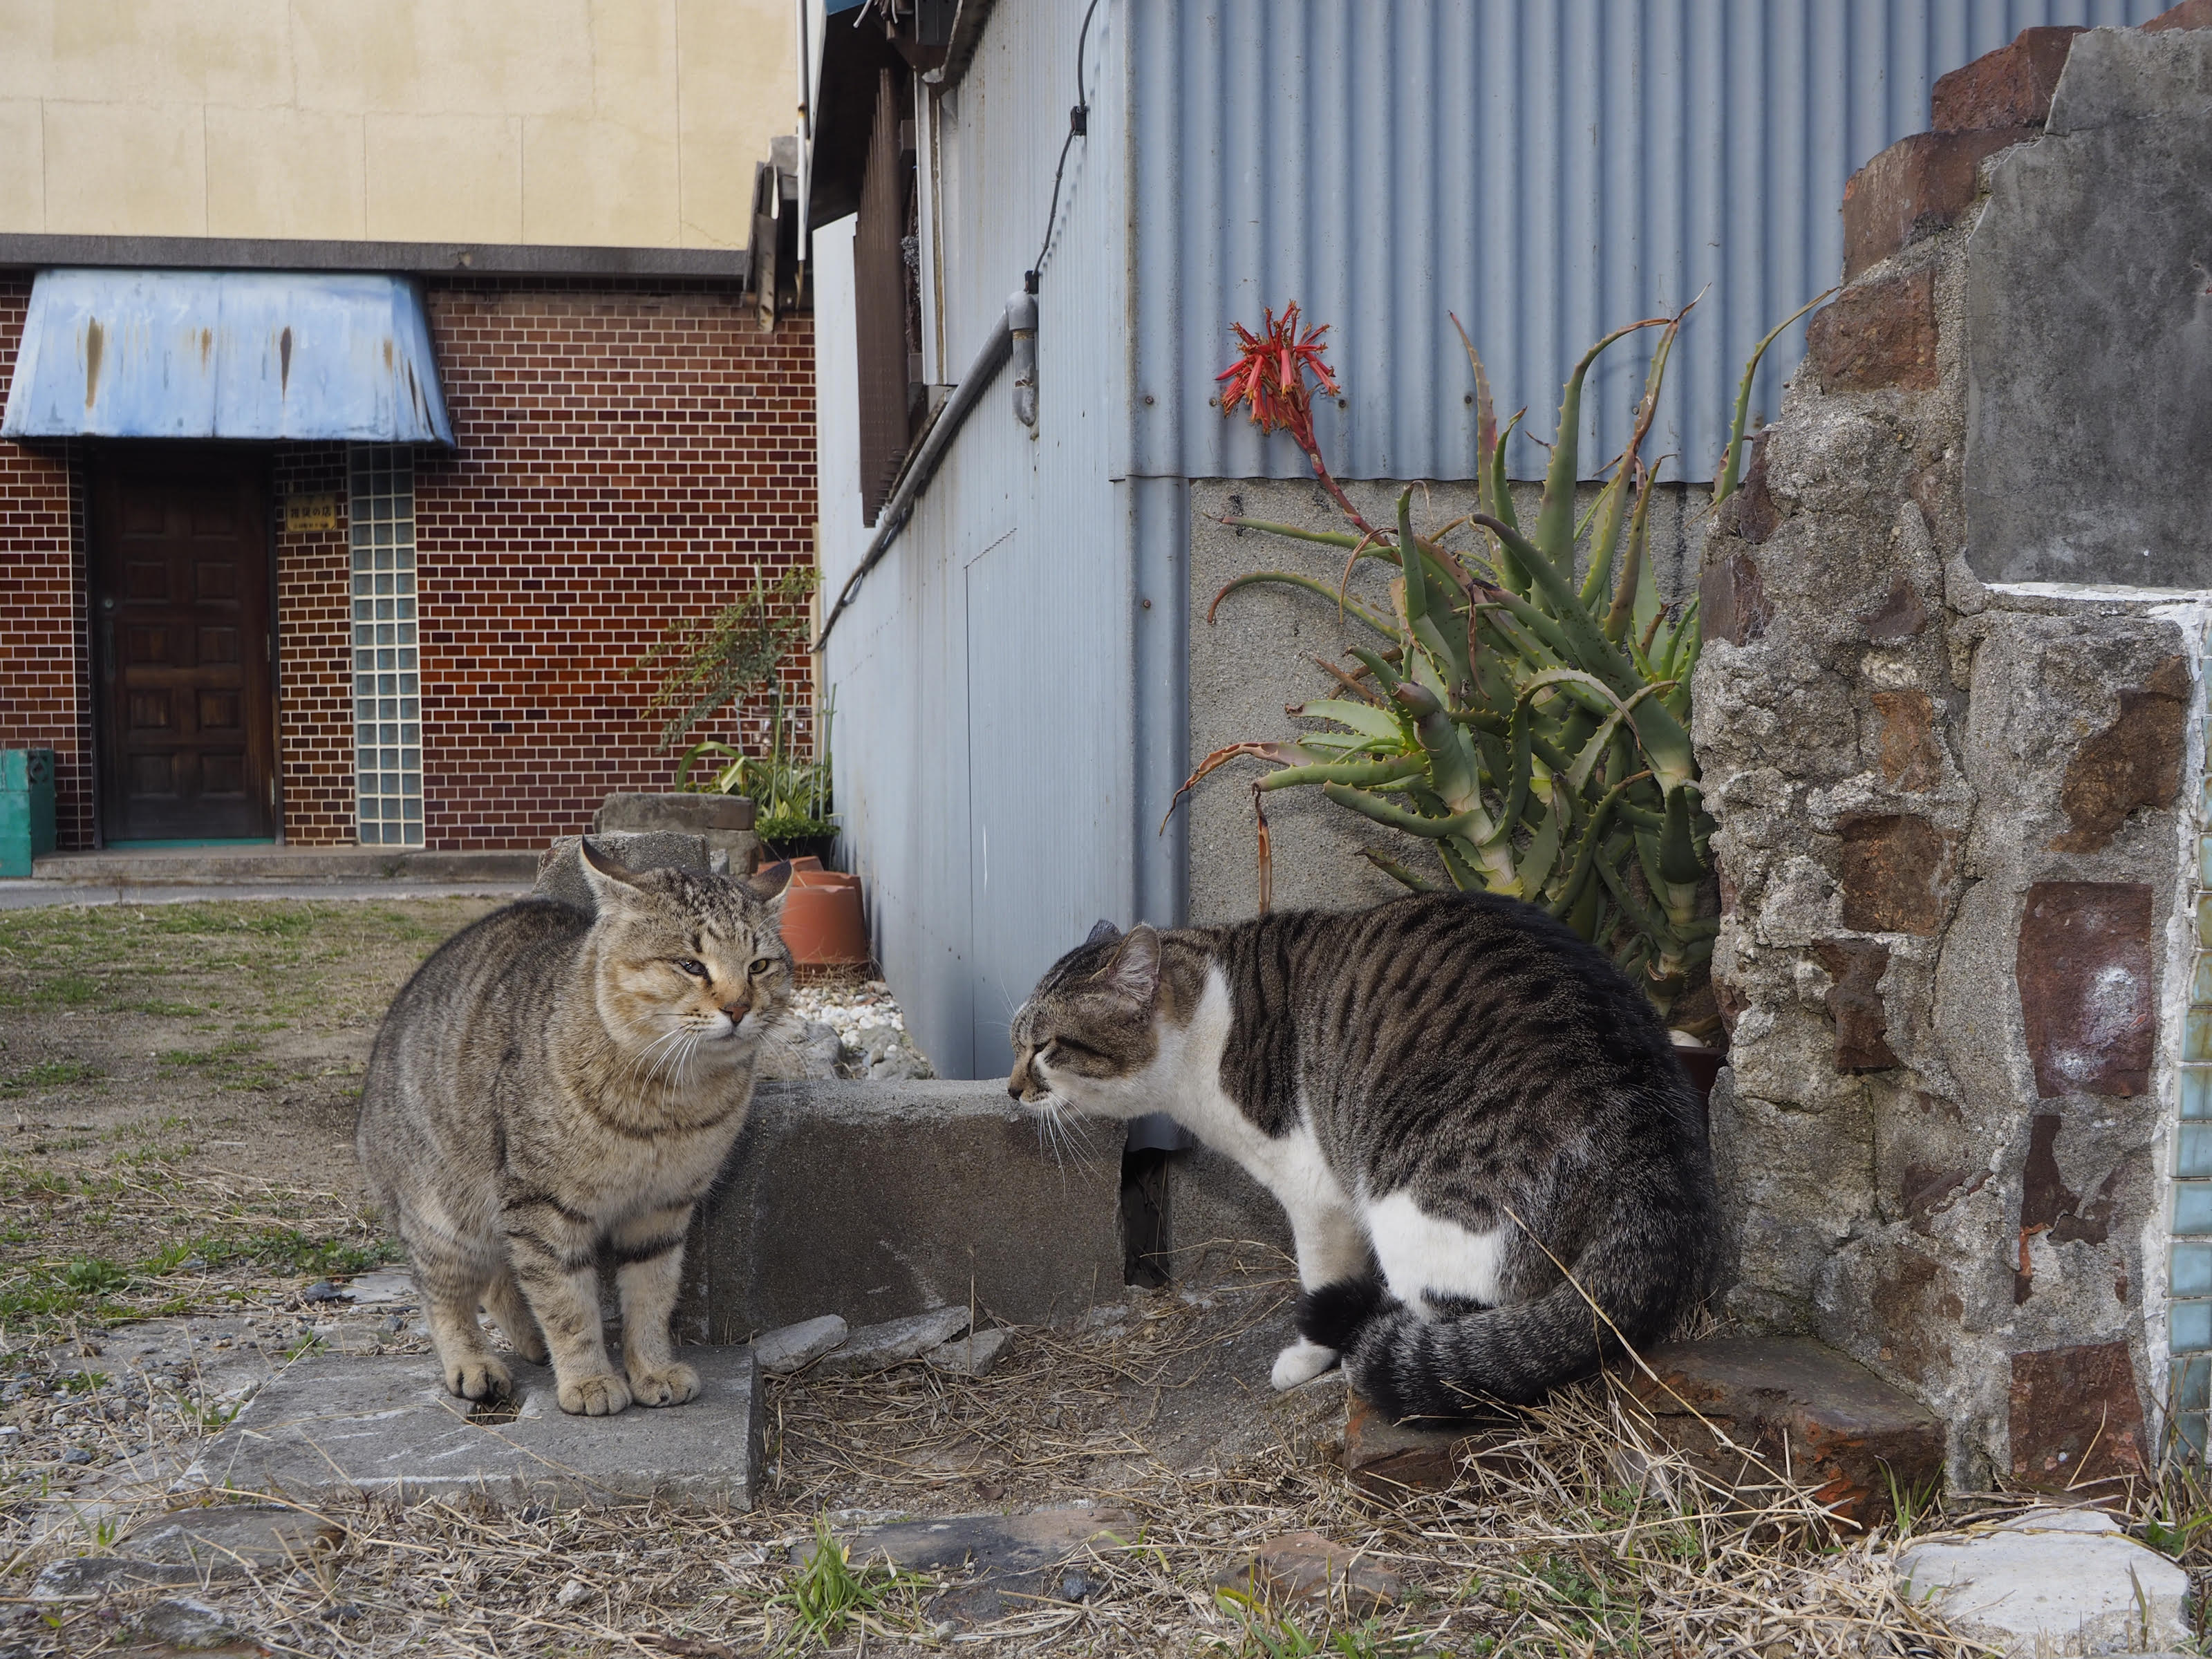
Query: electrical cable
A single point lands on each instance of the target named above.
(1078, 126)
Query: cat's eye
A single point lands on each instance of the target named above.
(762, 964)
(696, 970)
(1067, 1047)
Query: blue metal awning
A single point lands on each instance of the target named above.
(226, 354)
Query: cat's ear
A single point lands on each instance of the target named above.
(1101, 931)
(770, 883)
(1135, 968)
(610, 880)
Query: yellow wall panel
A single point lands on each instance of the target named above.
(126, 169)
(286, 172)
(445, 178)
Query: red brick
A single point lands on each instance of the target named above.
(2189, 15)
(1877, 334)
(2076, 1420)
(1916, 187)
(2010, 87)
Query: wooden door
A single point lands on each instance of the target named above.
(179, 547)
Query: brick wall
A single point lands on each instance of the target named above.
(44, 692)
(626, 459)
(314, 653)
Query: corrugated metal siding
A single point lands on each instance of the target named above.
(1547, 172)
(984, 673)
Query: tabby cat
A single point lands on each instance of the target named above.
(1460, 1103)
(552, 1086)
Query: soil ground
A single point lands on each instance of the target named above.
(178, 1195)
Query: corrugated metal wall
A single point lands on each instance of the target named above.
(984, 673)
(1011, 682)
(1546, 170)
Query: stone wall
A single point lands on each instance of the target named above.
(1951, 859)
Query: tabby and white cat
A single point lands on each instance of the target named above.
(551, 1086)
(1451, 1091)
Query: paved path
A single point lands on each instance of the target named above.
(30, 894)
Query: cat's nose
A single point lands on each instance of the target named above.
(738, 1010)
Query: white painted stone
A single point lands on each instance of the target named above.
(2051, 1583)
(367, 1289)
(879, 1348)
(795, 1347)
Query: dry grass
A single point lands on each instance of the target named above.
(1543, 1549)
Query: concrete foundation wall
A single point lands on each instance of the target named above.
(1953, 823)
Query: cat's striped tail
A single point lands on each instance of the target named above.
(1409, 1366)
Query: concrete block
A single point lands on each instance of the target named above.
(2052, 1581)
(877, 1200)
(386, 1423)
(1221, 1221)
(1797, 1405)
(724, 822)
(561, 871)
(975, 1354)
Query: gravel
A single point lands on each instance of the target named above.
(871, 1031)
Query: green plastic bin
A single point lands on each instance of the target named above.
(27, 808)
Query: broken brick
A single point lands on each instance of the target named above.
(1877, 334)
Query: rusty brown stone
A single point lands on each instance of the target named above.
(2077, 1418)
(2010, 87)
(2189, 15)
(1732, 605)
(1757, 517)
(2134, 762)
(1902, 1305)
(1927, 1191)
(1909, 753)
(1797, 1404)
(1855, 1002)
(1877, 334)
(2088, 986)
(1305, 1567)
(1898, 617)
(1897, 873)
(1388, 1459)
(1914, 188)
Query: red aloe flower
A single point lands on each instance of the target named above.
(1269, 375)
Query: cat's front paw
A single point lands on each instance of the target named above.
(601, 1395)
(1301, 1362)
(477, 1378)
(670, 1387)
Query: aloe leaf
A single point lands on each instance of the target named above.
(1589, 649)
(1632, 571)
(1291, 579)
(1653, 927)
(1519, 765)
(1486, 442)
(1732, 457)
(1363, 718)
(1397, 872)
(1605, 541)
(1398, 817)
(1414, 601)
(1376, 664)
(1585, 853)
(1457, 866)
(1542, 851)
(1555, 520)
(1452, 772)
(1359, 774)
(1678, 855)
(1326, 537)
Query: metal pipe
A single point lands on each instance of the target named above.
(899, 508)
(1021, 320)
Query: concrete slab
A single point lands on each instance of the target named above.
(387, 1425)
(879, 1347)
(1220, 1221)
(129, 867)
(2053, 1581)
(797, 1346)
(878, 1200)
(1018, 1560)
(561, 870)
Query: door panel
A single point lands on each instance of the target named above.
(180, 603)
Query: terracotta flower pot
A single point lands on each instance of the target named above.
(823, 925)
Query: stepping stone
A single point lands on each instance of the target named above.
(326, 1425)
(1792, 1404)
(1305, 1567)
(231, 1537)
(1016, 1559)
(2050, 1581)
(1388, 1459)
(879, 1347)
(797, 1346)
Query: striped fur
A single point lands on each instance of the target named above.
(552, 1089)
(1455, 1098)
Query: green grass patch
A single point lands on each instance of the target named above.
(50, 1075)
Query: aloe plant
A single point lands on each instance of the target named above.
(1532, 728)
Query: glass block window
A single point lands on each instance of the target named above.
(2189, 1269)
(387, 695)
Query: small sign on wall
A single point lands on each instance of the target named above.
(305, 511)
